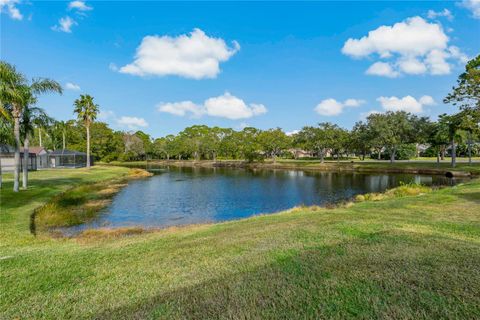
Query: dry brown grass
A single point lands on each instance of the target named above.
(108, 233)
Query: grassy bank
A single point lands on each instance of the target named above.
(80, 204)
(402, 257)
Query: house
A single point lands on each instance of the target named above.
(40, 158)
(7, 154)
(41, 155)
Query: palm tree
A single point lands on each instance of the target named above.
(5, 136)
(86, 111)
(15, 93)
(9, 95)
(30, 116)
(63, 127)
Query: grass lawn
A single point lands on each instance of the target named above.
(407, 257)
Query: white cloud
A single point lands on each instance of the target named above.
(436, 14)
(195, 56)
(72, 86)
(382, 69)
(413, 46)
(79, 5)
(411, 65)
(132, 123)
(224, 106)
(365, 115)
(407, 103)
(353, 102)
(105, 115)
(473, 6)
(291, 133)
(65, 24)
(181, 108)
(10, 8)
(332, 107)
(124, 122)
(231, 107)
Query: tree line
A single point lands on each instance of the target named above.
(389, 135)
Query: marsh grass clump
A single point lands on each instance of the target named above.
(405, 189)
(80, 204)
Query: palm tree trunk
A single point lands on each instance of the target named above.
(25, 164)
(16, 133)
(63, 137)
(88, 146)
(379, 156)
(454, 153)
(40, 136)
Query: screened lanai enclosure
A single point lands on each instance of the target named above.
(68, 159)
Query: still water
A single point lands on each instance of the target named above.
(179, 196)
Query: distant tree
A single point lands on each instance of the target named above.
(466, 94)
(62, 127)
(229, 144)
(134, 147)
(86, 111)
(318, 139)
(452, 123)
(469, 122)
(393, 129)
(340, 144)
(273, 142)
(360, 138)
(438, 138)
(248, 144)
(147, 142)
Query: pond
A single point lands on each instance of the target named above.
(180, 196)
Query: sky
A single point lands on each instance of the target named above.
(162, 66)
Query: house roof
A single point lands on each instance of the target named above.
(65, 152)
(35, 150)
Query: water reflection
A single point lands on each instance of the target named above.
(176, 196)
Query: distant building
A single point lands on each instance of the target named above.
(41, 155)
(7, 154)
(41, 158)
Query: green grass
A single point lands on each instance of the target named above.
(408, 257)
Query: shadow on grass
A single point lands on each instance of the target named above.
(38, 190)
(470, 196)
(402, 276)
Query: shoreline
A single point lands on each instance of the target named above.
(365, 167)
(79, 204)
(113, 186)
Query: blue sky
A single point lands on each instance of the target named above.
(160, 67)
